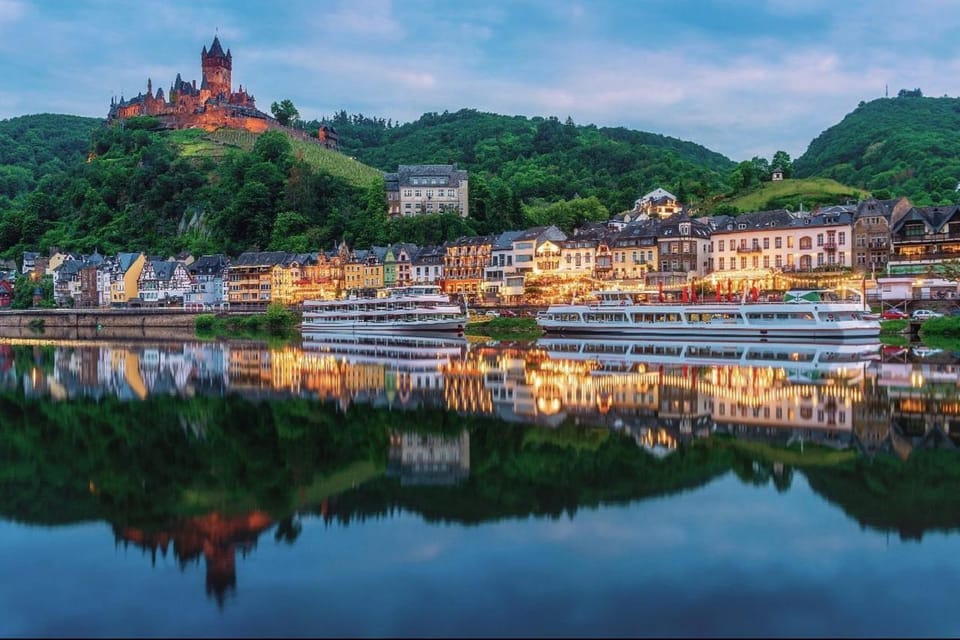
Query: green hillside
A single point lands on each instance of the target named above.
(38, 145)
(905, 146)
(217, 144)
(790, 194)
(541, 159)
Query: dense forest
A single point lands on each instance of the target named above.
(541, 160)
(78, 184)
(904, 146)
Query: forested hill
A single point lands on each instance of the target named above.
(904, 146)
(541, 158)
(38, 145)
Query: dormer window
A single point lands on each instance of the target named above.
(684, 228)
(742, 226)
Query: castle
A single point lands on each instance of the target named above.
(211, 106)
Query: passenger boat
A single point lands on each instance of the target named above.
(800, 315)
(414, 308)
(402, 352)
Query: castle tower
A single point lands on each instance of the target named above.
(216, 67)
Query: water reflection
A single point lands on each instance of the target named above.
(199, 449)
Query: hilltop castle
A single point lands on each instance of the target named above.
(211, 106)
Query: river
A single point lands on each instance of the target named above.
(433, 487)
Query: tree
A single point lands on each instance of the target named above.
(285, 113)
(781, 161)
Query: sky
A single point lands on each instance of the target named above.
(743, 78)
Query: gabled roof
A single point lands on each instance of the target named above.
(208, 265)
(755, 220)
(655, 195)
(126, 260)
(504, 241)
(933, 218)
(447, 173)
(260, 259)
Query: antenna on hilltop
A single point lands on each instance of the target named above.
(886, 91)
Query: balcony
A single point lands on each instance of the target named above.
(751, 249)
(829, 245)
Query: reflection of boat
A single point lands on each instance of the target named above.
(811, 315)
(614, 355)
(401, 309)
(410, 352)
(925, 352)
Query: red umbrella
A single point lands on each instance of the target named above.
(660, 291)
(754, 294)
(719, 295)
(684, 297)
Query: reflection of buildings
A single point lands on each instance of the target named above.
(661, 393)
(418, 458)
(215, 537)
(910, 406)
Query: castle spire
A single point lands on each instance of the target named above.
(215, 48)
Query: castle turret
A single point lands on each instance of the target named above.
(216, 66)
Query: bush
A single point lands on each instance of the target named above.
(205, 322)
(945, 326)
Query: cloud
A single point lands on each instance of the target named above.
(11, 11)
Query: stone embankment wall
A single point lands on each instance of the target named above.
(60, 324)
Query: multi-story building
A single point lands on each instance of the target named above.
(924, 236)
(426, 265)
(464, 264)
(634, 251)
(501, 264)
(752, 244)
(363, 270)
(163, 281)
(125, 277)
(423, 189)
(659, 203)
(209, 282)
(871, 232)
(251, 277)
(578, 255)
(684, 246)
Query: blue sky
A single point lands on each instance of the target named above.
(741, 78)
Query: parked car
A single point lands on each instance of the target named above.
(893, 314)
(507, 313)
(493, 313)
(925, 314)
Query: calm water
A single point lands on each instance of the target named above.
(433, 487)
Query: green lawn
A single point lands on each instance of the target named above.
(809, 190)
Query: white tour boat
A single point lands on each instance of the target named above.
(800, 315)
(415, 308)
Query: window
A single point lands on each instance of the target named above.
(451, 193)
(766, 262)
(778, 243)
(721, 245)
(806, 243)
(766, 243)
(429, 193)
(842, 237)
(819, 259)
(721, 264)
(819, 240)
(408, 192)
(778, 261)
(743, 262)
(417, 193)
(756, 261)
(789, 242)
(842, 258)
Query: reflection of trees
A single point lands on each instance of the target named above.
(910, 497)
(207, 476)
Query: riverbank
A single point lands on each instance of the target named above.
(103, 324)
